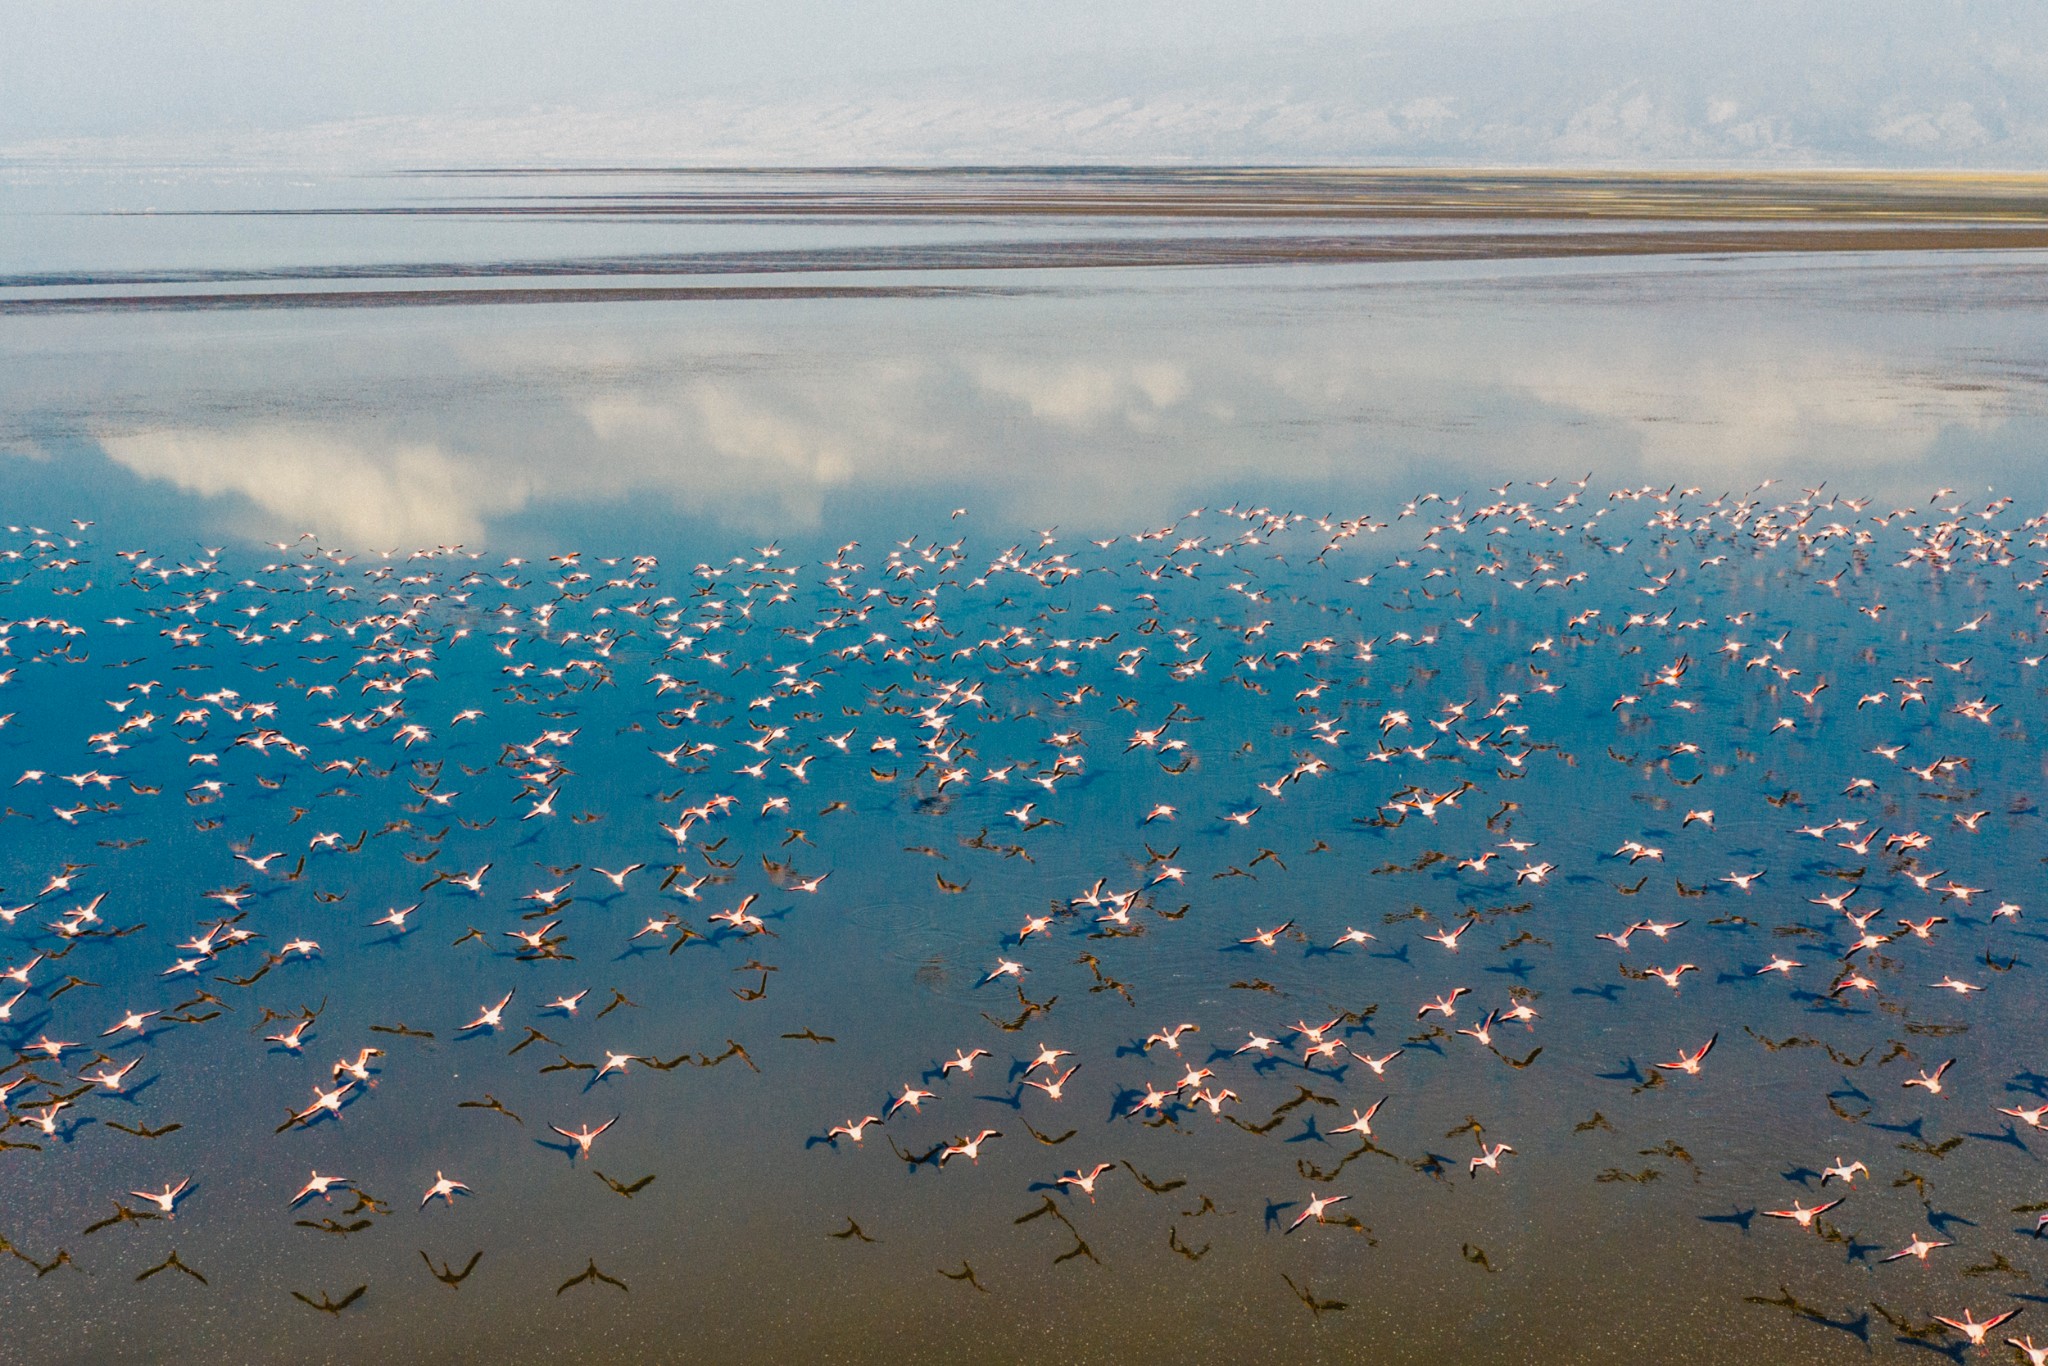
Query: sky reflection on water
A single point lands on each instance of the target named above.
(1103, 404)
(1125, 396)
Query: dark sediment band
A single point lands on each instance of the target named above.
(1020, 256)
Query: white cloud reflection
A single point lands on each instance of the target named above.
(300, 475)
(1104, 410)
(1765, 409)
(1084, 394)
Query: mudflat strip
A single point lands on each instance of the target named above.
(1276, 250)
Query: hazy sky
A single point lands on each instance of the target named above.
(96, 66)
(1927, 82)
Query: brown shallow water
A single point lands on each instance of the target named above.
(1258, 193)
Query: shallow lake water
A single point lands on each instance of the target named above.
(1104, 621)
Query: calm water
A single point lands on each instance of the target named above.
(843, 576)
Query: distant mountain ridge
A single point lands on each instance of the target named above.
(1742, 83)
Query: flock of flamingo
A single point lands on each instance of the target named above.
(1221, 867)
